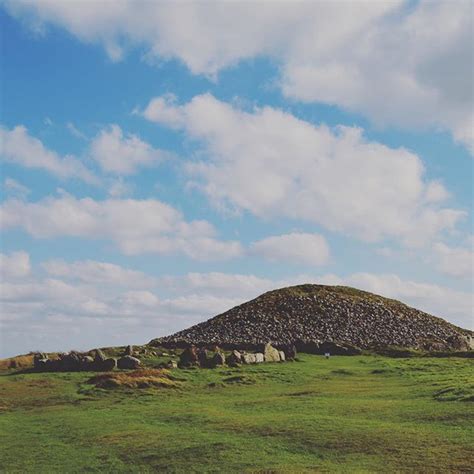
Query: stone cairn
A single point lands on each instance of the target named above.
(319, 319)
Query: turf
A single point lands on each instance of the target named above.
(345, 414)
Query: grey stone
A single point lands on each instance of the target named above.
(218, 359)
(128, 362)
(249, 358)
(99, 355)
(234, 359)
(189, 357)
(271, 354)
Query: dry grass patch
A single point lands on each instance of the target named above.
(18, 362)
(142, 378)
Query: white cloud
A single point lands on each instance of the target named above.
(15, 265)
(18, 147)
(396, 62)
(227, 285)
(137, 227)
(119, 188)
(15, 189)
(271, 163)
(454, 261)
(75, 131)
(86, 303)
(306, 249)
(98, 273)
(121, 154)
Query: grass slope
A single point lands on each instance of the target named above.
(350, 414)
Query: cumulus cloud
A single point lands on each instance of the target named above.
(453, 305)
(397, 63)
(123, 155)
(271, 163)
(19, 147)
(454, 261)
(14, 265)
(120, 188)
(13, 188)
(303, 248)
(136, 226)
(84, 304)
(75, 131)
(98, 273)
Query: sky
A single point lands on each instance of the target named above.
(162, 162)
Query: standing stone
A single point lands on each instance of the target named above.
(259, 358)
(105, 365)
(203, 358)
(99, 356)
(128, 362)
(109, 364)
(128, 351)
(271, 354)
(234, 359)
(249, 359)
(39, 361)
(290, 352)
(282, 356)
(189, 357)
(87, 363)
(70, 362)
(218, 359)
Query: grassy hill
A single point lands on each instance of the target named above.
(352, 414)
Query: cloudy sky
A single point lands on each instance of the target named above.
(162, 162)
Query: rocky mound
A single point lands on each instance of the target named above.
(308, 315)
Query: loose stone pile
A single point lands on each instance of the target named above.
(318, 318)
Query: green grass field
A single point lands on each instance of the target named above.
(345, 414)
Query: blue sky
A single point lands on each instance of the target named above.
(163, 163)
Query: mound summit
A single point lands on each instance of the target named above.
(314, 315)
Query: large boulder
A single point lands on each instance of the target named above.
(105, 365)
(218, 359)
(249, 358)
(271, 354)
(234, 359)
(203, 358)
(41, 364)
(87, 363)
(189, 357)
(290, 351)
(128, 362)
(259, 358)
(71, 361)
(99, 356)
(39, 361)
